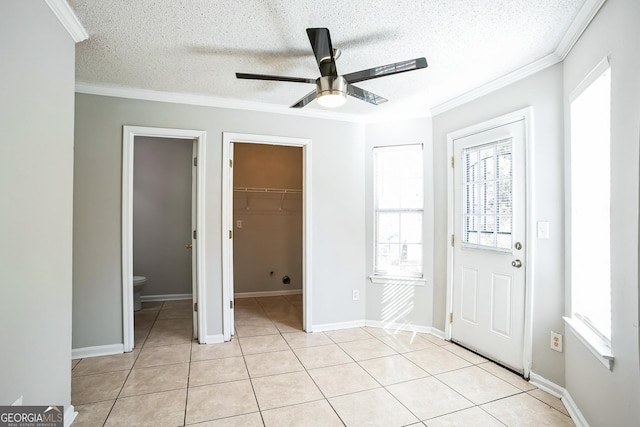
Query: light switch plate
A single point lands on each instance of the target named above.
(543, 230)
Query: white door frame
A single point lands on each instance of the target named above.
(128, 136)
(227, 221)
(525, 114)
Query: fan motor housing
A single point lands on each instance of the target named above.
(331, 85)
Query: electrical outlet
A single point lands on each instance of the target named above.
(356, 294)
(556, 341)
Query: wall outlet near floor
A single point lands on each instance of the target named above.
(356, 294)
(556, 341)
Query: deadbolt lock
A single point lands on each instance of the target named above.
(518, 246)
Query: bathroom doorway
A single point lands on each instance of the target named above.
(162, 179)
(162, 218)
(268, 194)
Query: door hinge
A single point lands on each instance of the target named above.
(452, 161)
(231, 304)
(451, 317)
(453, 240)
(230, 163)
(195, 234)
(195, 161)
(231, 234)
(195, 306)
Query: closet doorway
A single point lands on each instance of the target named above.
(266, 216)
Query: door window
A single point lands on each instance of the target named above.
(487, 216)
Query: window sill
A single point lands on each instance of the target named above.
(600, 350)
(398, 280)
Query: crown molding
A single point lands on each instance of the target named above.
(209, 101)
(498, 83)
(584, 17)
(68, 19)
(580, 23)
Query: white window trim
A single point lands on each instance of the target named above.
(600, 348)
(398, 279)
(592, 341)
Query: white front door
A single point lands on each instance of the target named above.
(489, 243)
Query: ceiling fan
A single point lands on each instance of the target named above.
(332, 89)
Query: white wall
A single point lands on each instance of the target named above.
(337, 248)
(608, 398)
(385, 302)
(36, 183)
(542, 91)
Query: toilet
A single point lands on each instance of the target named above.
(138, 284)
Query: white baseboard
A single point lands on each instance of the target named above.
(267, 293)
(336, 326)
(560, 392)
(437, 333)
(398, 326)
(167, 297)
(213, 339)
(98, 350)
(70, 415)
(546, 385)
(576, 416)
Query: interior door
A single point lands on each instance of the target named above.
(489, 243)
(193, 246)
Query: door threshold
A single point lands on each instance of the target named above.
(518, 372)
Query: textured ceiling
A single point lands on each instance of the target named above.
(196, 46)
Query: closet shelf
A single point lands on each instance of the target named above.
(267, 190)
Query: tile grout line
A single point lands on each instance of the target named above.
(324, 397)
(132, 365)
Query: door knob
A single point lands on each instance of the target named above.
(189, 246)
(516, 263)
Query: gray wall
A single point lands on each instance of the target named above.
(386, 302)
(36, 183)
(542, 91)
(162, 214)
(608, 398)
(337, 245)
(268, 246)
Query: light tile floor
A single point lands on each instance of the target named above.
(273, 374)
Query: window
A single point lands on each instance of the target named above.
(488, 207)
(590, 203)
(398, 206)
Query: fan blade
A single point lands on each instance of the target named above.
(386, 70)
(365, 95)
(306, 99)
(275, 78)
(323, 50)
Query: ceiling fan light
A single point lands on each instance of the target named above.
(332, 91)
(332, 99)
